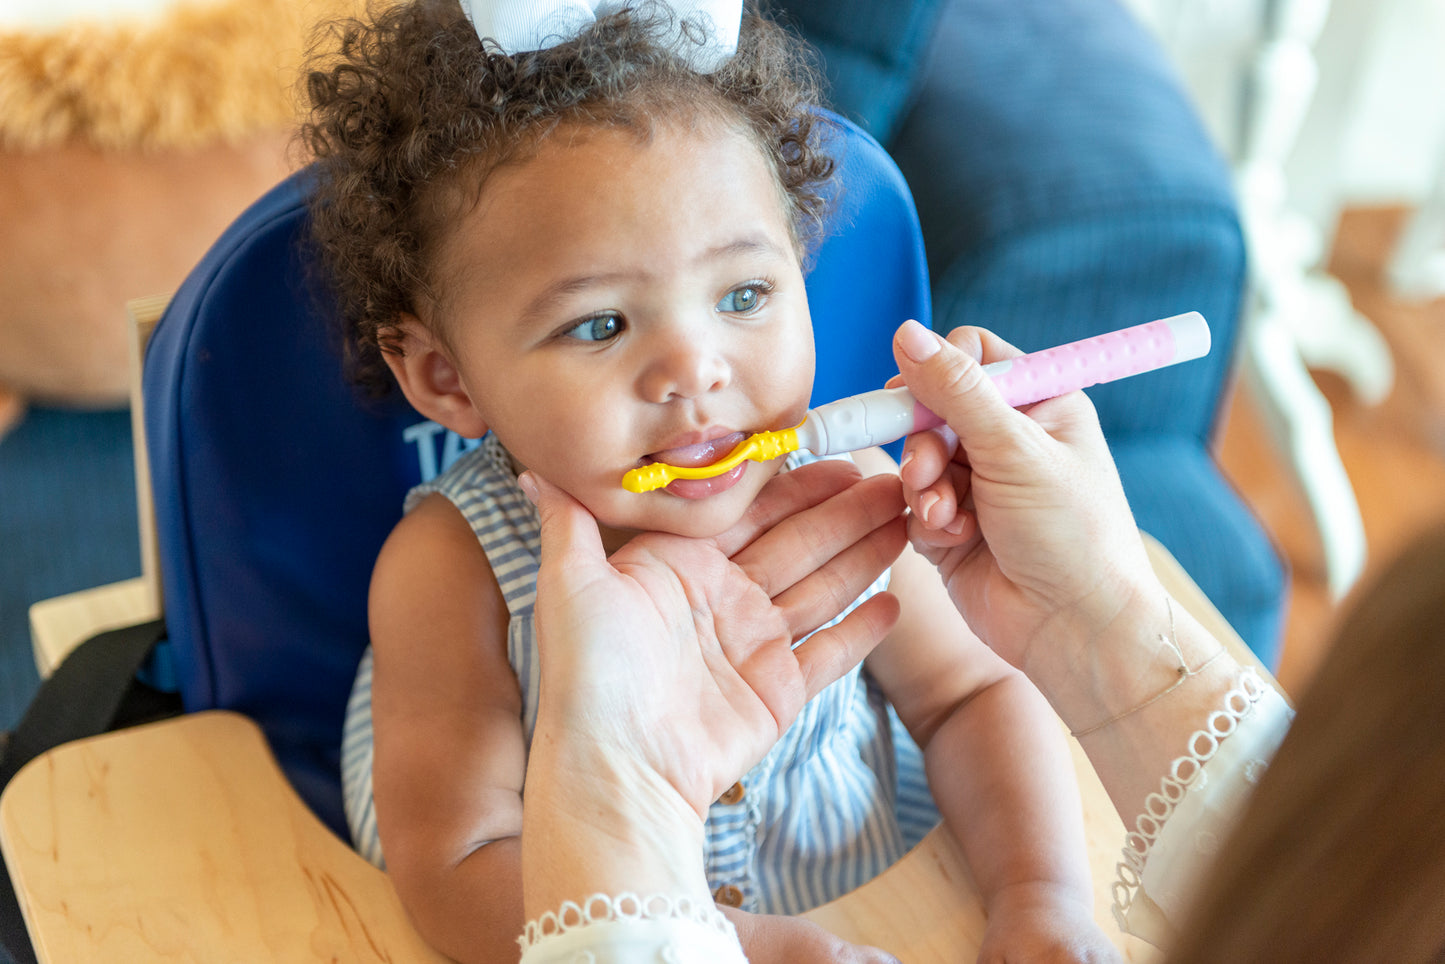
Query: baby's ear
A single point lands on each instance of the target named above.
(430, 380)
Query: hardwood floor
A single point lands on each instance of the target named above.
(1394, 453)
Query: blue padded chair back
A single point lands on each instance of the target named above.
(275, 483)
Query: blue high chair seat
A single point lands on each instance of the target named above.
(275, 482)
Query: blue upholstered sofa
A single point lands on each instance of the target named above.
(1066, 187)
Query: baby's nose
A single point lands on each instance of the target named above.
(685, 367)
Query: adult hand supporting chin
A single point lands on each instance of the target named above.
(668, 670)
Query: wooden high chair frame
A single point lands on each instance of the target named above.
(182, 840)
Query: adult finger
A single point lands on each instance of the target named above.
(829, 653)
(960, 535)
(931, 475)
(830, 588)
(929, 468)
(803, 543)
(787, 494)
(950, 381)
(568, 532)
(925, 457)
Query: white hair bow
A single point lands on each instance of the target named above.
(518, 25)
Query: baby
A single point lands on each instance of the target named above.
(590, 256)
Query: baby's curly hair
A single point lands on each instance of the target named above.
(411, 112)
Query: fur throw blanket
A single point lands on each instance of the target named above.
(197, 72)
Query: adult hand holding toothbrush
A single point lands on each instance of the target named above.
(1023, 513)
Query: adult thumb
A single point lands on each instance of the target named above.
(950, 381)
(569, 533)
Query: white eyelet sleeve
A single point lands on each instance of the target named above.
(628, 929)
(1183, 825)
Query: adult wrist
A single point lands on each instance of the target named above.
(1090, 658)
(1136, 686)
(1119, 656)
(599, 821)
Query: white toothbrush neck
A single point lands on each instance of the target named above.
(863, 421)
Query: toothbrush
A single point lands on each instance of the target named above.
(888, 414)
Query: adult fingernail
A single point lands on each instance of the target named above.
(956, 527)
(926, 505)
(529, 486)
(917, 342)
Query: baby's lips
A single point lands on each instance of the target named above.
(700, 453)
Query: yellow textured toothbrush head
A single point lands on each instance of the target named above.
(647, 478)
(762, 447)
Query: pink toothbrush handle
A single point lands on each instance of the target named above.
(1103, 358)
(888, 414)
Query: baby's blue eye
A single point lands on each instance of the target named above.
(600, 328)
(741, 300)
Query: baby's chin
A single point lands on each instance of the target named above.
(694, 524)
(690, 519)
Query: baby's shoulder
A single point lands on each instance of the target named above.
(430, 560)
(427, 537)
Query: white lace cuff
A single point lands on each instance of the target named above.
(1174, 840)
(628, 929)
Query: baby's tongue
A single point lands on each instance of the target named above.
(703, 453)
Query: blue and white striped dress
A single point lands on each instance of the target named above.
(833, 804)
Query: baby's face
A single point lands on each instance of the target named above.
(614, 301)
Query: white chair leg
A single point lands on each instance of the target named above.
(1301, 426)
(1332, 336)
(1312, 306)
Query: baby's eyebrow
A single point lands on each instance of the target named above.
(561, 289)
(751, 244)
